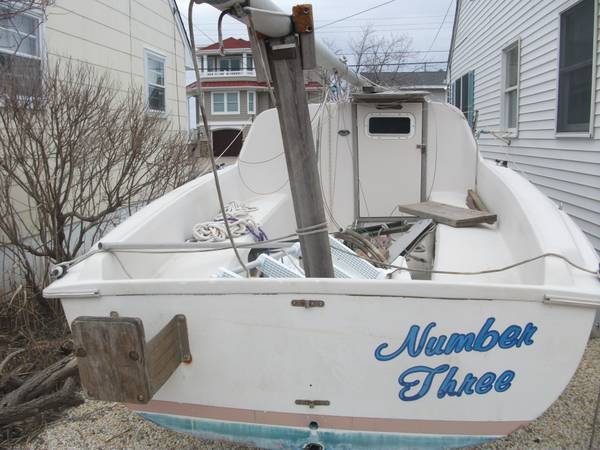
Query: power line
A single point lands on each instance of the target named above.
(358, 13)
(441, 25)
(419, 63)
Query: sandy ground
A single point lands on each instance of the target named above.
(96, 425)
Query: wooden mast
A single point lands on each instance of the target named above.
(285, 57)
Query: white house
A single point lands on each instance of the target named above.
(527, 71)
(139, 43)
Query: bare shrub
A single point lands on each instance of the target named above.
(375, 53)
(75, 153)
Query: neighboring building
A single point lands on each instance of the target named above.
(530, 71)
(433, 82)
(232, 94)
(139, 44)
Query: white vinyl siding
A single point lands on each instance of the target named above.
(564, 167)
(225, 103)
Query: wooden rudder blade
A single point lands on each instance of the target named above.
(117, 364)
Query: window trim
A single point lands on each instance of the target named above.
(148, 53)
(469, 114)
(37, 16)
(504, 110)
(248, 94)
(590, 132)
(226, 112)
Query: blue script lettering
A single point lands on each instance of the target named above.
(417, 342)
(416, 382)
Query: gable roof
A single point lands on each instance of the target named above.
(229, 44)
(409, 79)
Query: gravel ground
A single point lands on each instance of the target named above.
(96, 425)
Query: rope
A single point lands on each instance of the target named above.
(240, 224)
(209, 143)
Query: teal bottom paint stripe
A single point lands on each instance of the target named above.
(275, 437)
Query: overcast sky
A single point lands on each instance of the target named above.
(423, 21)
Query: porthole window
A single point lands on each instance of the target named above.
(390, 125)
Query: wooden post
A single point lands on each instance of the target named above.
(288, 78)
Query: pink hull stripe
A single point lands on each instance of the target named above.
(448, 427)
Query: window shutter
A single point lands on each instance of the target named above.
(471, 97)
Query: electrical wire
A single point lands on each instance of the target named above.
(357, 14)
(440, 28)
(207, 131)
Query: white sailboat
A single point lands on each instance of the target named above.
(470, 329)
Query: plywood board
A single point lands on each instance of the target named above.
(448, 214)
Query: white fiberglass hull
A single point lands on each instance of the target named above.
(398, 367)
(468, 355)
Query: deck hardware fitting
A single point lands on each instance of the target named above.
(312, 403)
(344, 132)
(308, 303)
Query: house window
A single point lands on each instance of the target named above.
(575, 68)
(155, 81)
(20, 61)
(230, 64)
(251, 102)
(510, 102)
(211, 63)
(225, 102)
(249, 62)
(464, 95)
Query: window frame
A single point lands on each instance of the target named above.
(40, 29)
(459, 94)
(226, 111)
(505, 109)
(148, 53)
(37, 17)
(253, 95)
(589, 133)
(390, 136)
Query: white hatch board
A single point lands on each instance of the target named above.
(389, 158)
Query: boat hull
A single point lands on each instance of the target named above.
(384, 370)
(282, 437)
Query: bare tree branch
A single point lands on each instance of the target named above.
(76, 152)
(13, 8)
(374, 53)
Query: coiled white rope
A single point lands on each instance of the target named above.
(239, 219)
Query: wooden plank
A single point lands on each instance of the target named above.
(474, 201)
(166, 351)
(448, 214)
(111, 358)
(299, 148)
